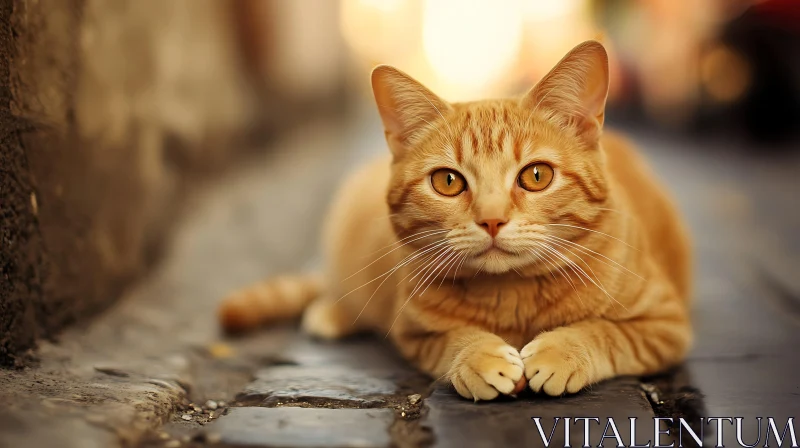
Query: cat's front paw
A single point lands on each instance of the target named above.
(485, 370)
(556, 364)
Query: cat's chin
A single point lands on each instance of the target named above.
(496, 262)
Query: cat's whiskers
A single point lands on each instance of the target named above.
(421, 273)
(574, 265)
(404, 241)
(612, 210)
(564, 269)
(458, 257)
(460, 263)
(440, 270)
(561, 271)
(431, 271)
(594, 231)
(586, 249)
(538, 256)
(437, 232)
(396, 268)
(411, 295)
(479, 269)
(561, 256)
(567, 248)
(391, 271)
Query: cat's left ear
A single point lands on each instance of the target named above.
(407, 108)
(575, 90)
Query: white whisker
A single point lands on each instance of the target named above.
(410, 296)
(561, 256)
(384, 281)
(594, 231)
(449, 267)
(391, 271)
(432, 270)
(460, 263)
(561, 271)
(438, 269)
(585, 249)
(601, 288)
(396, 248)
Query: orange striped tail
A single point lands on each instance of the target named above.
(275, 300)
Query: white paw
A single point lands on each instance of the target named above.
(485, 370)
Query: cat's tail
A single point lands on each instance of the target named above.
(278, 299)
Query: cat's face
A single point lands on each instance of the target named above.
(494, 185)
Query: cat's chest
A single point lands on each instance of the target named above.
(516, 311)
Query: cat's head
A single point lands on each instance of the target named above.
(492, 184)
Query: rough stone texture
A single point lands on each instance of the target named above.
(746, 304)
(20, 243)
(354, 373)
(106, 111)
(329, 386)
(456, 422)
(297, 427)
(147, 358)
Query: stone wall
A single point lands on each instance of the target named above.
(108, 110)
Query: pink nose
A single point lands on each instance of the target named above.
(492, 226)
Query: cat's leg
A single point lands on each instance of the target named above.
(480, 365)
(567, 359)
(327, 318)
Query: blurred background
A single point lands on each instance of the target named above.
(709, 65)
(700, 66)
(115, 114)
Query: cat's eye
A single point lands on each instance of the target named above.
(448, 182)
(535, 177)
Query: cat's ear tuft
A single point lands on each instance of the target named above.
(406, 107)
(575, 90)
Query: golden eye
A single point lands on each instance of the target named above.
(448, 182)
(536, 177)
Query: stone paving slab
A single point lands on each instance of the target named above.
(299, 427)
(360, 352)
(456, 422)
(323, 386)
(753, 387)
(367, 373)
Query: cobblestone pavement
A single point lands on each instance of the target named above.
(359, 393)
(155, 372)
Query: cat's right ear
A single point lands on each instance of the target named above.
(406, 107)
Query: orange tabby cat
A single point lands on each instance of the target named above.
(503, 241)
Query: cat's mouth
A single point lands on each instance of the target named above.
(494, 250)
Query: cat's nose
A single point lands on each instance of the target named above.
(492, 226)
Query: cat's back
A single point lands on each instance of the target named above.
(648, 202)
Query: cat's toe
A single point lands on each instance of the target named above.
(554, 369)
(487, 372)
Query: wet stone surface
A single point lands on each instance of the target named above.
(456, 422)
(358, 392)
(319, 386)
(299, 427)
